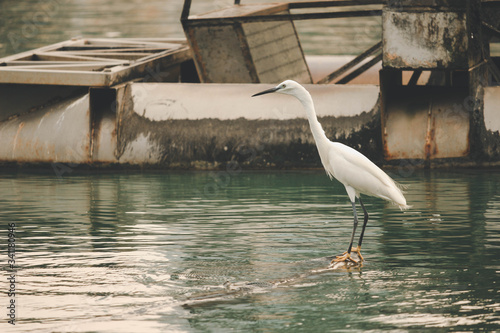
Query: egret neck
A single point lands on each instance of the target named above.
(317, 130)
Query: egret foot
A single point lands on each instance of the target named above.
(345, 257)
(358, 251)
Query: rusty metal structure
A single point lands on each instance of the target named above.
(246, 51)
(439, 117)
(140, 103)
(258, 43)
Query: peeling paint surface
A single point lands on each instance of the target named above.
(244, 129)
(141, 150)
(425, 40)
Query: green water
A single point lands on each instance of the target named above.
(29, 24)
(247, 252)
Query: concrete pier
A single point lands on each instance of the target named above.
(193, 126)
(190, 126)
(427, 94)
(440, 121)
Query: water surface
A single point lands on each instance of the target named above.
(28, 24)
(241, 251)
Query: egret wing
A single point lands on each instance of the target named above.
(354, 169)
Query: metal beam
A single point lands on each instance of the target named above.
(360, 70)
(285, 17)
(414, 77)
(491, 29)
(372, 50)
(185, 9)
(334, 3)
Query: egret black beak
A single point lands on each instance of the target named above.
(268, 91)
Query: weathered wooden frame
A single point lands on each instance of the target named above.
(96, 62)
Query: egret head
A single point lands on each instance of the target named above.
(288, 87)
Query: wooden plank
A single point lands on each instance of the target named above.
(86, 66)
(53, 77)
(27, 54)
(100, 44)
(83, 48)
(59, 56)
(114, 56)
(32, 63)
(126, 50)
(130, 42)
(55, 67)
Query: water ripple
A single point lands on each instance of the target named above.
(147, 250)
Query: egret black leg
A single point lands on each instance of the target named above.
(354, 226)
(364, 224)
(347, 255)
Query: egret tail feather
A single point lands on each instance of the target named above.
(402, 187)
(404, 207)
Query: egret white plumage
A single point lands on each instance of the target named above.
(355, 171)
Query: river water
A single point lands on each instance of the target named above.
(248, 252)
(28, 24)
(235, 251)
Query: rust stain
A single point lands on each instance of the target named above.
(385, 149)
(21, 125)
(433, 140)
(429, 136)
(431, 149)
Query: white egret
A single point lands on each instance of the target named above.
(355, 171)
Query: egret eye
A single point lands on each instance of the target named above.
(283, 86)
